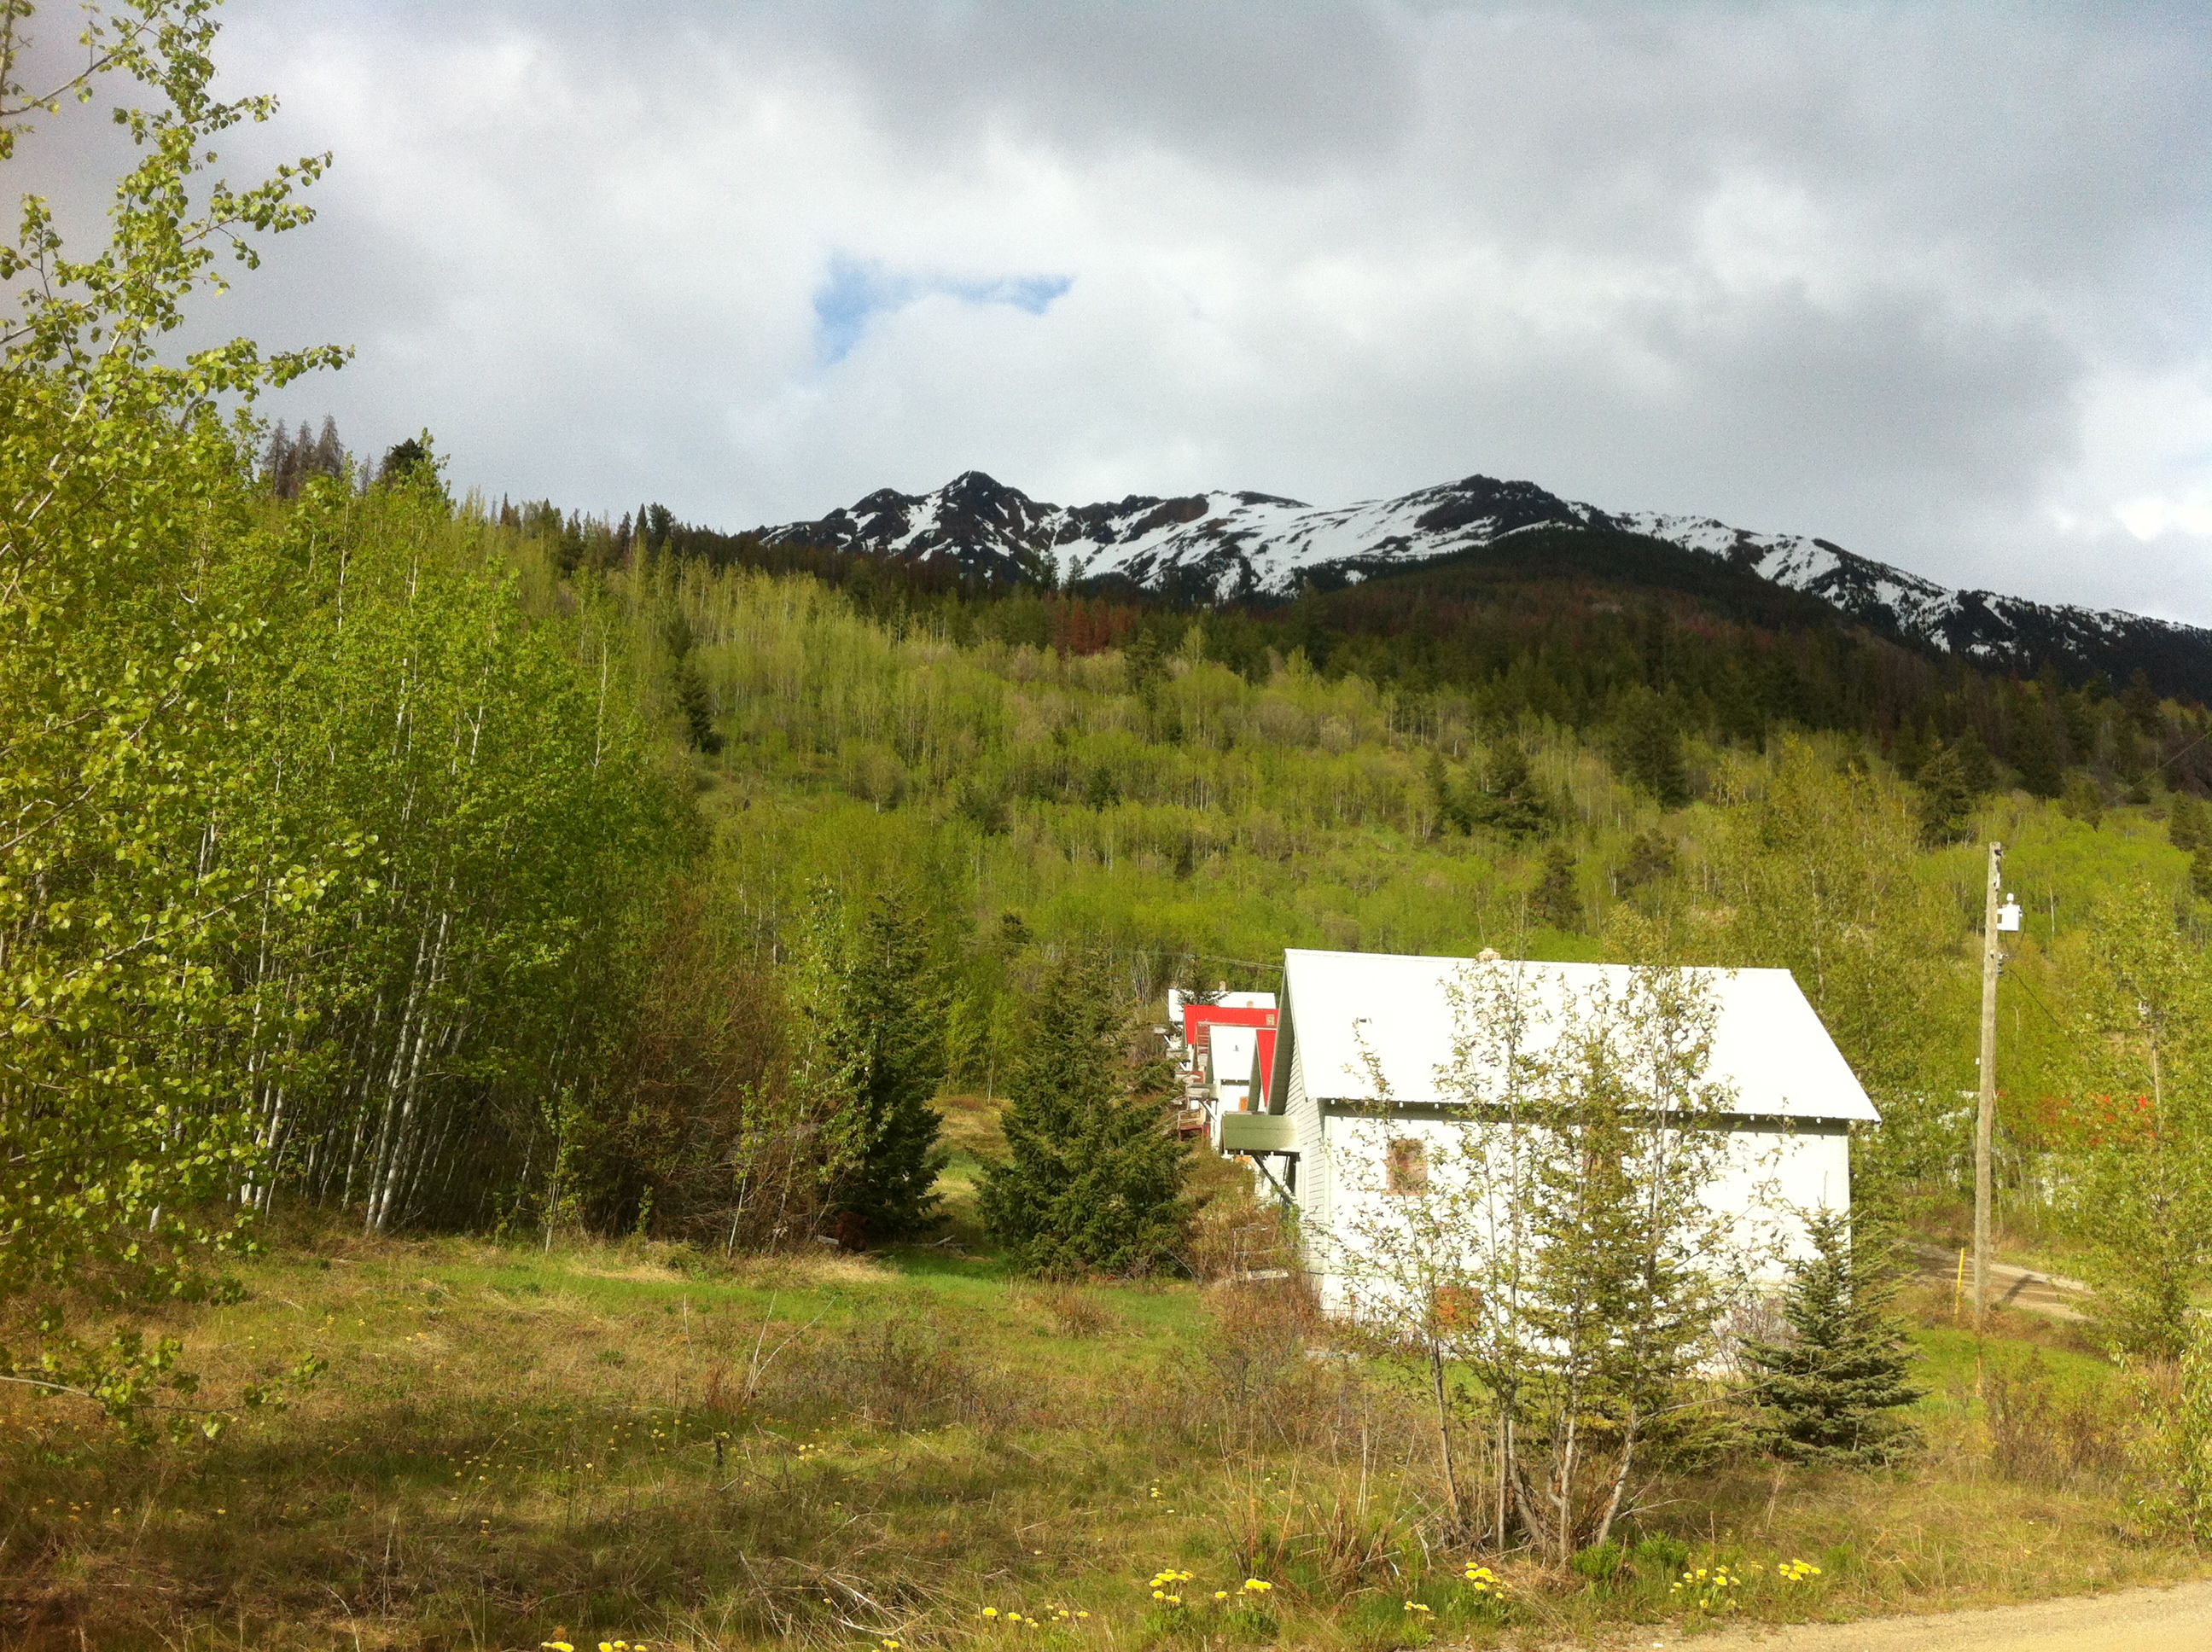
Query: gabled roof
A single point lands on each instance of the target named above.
(1229, 1054)
(1178, 1003)
(1767, 1043)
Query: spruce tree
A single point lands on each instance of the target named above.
(277, 463)
(2185, 822)
(1512, 802)
(404, 458)
(2083, 800)
(1144, 661)
(2033, 745)
(1092, 1183)
(329, 458)
(1911, 748)
(894, 1009)
(1648, 750)
(1946, 804)
(1452, 813)
(2140, 701)
(1651, 859)
(1828, 1391)
(1558, 902)
(1976, 766)
(697, 705)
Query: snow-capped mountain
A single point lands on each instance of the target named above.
(1219, 547)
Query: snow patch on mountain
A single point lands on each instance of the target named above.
(1226, 546)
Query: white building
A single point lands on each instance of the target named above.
(1327, 1127)
(1179, 1006)
(1230, 1060)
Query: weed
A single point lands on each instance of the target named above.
(1073, 1310)
(836, 1452)
(2045, 1433)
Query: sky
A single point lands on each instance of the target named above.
(1929, 281)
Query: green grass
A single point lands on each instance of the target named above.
(514, 1445)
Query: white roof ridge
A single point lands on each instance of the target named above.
(1768, 1043)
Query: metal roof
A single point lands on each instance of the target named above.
(1229, 1055)
(1768, 1043)
(1178, 1003)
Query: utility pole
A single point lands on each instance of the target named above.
(1985, 1114)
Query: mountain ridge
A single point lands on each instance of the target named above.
(1227, 546)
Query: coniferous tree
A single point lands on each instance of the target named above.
(1649, 751)
(895, 1008)
(1092, 1183)
(2200, 869)
(1308, 627)
(1946, 802)
(1146, 663)
(2184, 822)
(2140, 701)
(1190, 980)
(1452, 812)
(2033, 745)
(2083, 800)
(1914, 747)
(1830, 1391)
(329, 456)
(1557, 902)
(1976, 766)
(404, 458)
(1512, 801)
(698, 709)
(276, 460)
(1651, 859)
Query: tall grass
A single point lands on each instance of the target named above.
(623, 1440)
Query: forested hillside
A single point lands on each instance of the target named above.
(1192, 788)
(514, 835)
(1562, 621)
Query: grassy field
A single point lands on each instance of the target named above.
(514, 1445)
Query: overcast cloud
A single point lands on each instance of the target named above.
(1931, 282)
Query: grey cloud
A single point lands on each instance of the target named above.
(1881, 273)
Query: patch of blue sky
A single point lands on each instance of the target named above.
(857, 292)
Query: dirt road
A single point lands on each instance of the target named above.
(2177, 1619)
(2010, 1286)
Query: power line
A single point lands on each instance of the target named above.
(2185, 750)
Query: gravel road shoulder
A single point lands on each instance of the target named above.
(2174, 1619)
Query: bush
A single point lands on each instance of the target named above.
(2042, 1434)
(2175, 1456)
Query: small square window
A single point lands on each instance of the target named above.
(1406, 1166)
(1458, 1308)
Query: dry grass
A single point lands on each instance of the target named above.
(513, 1446)
(1073, 1310)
